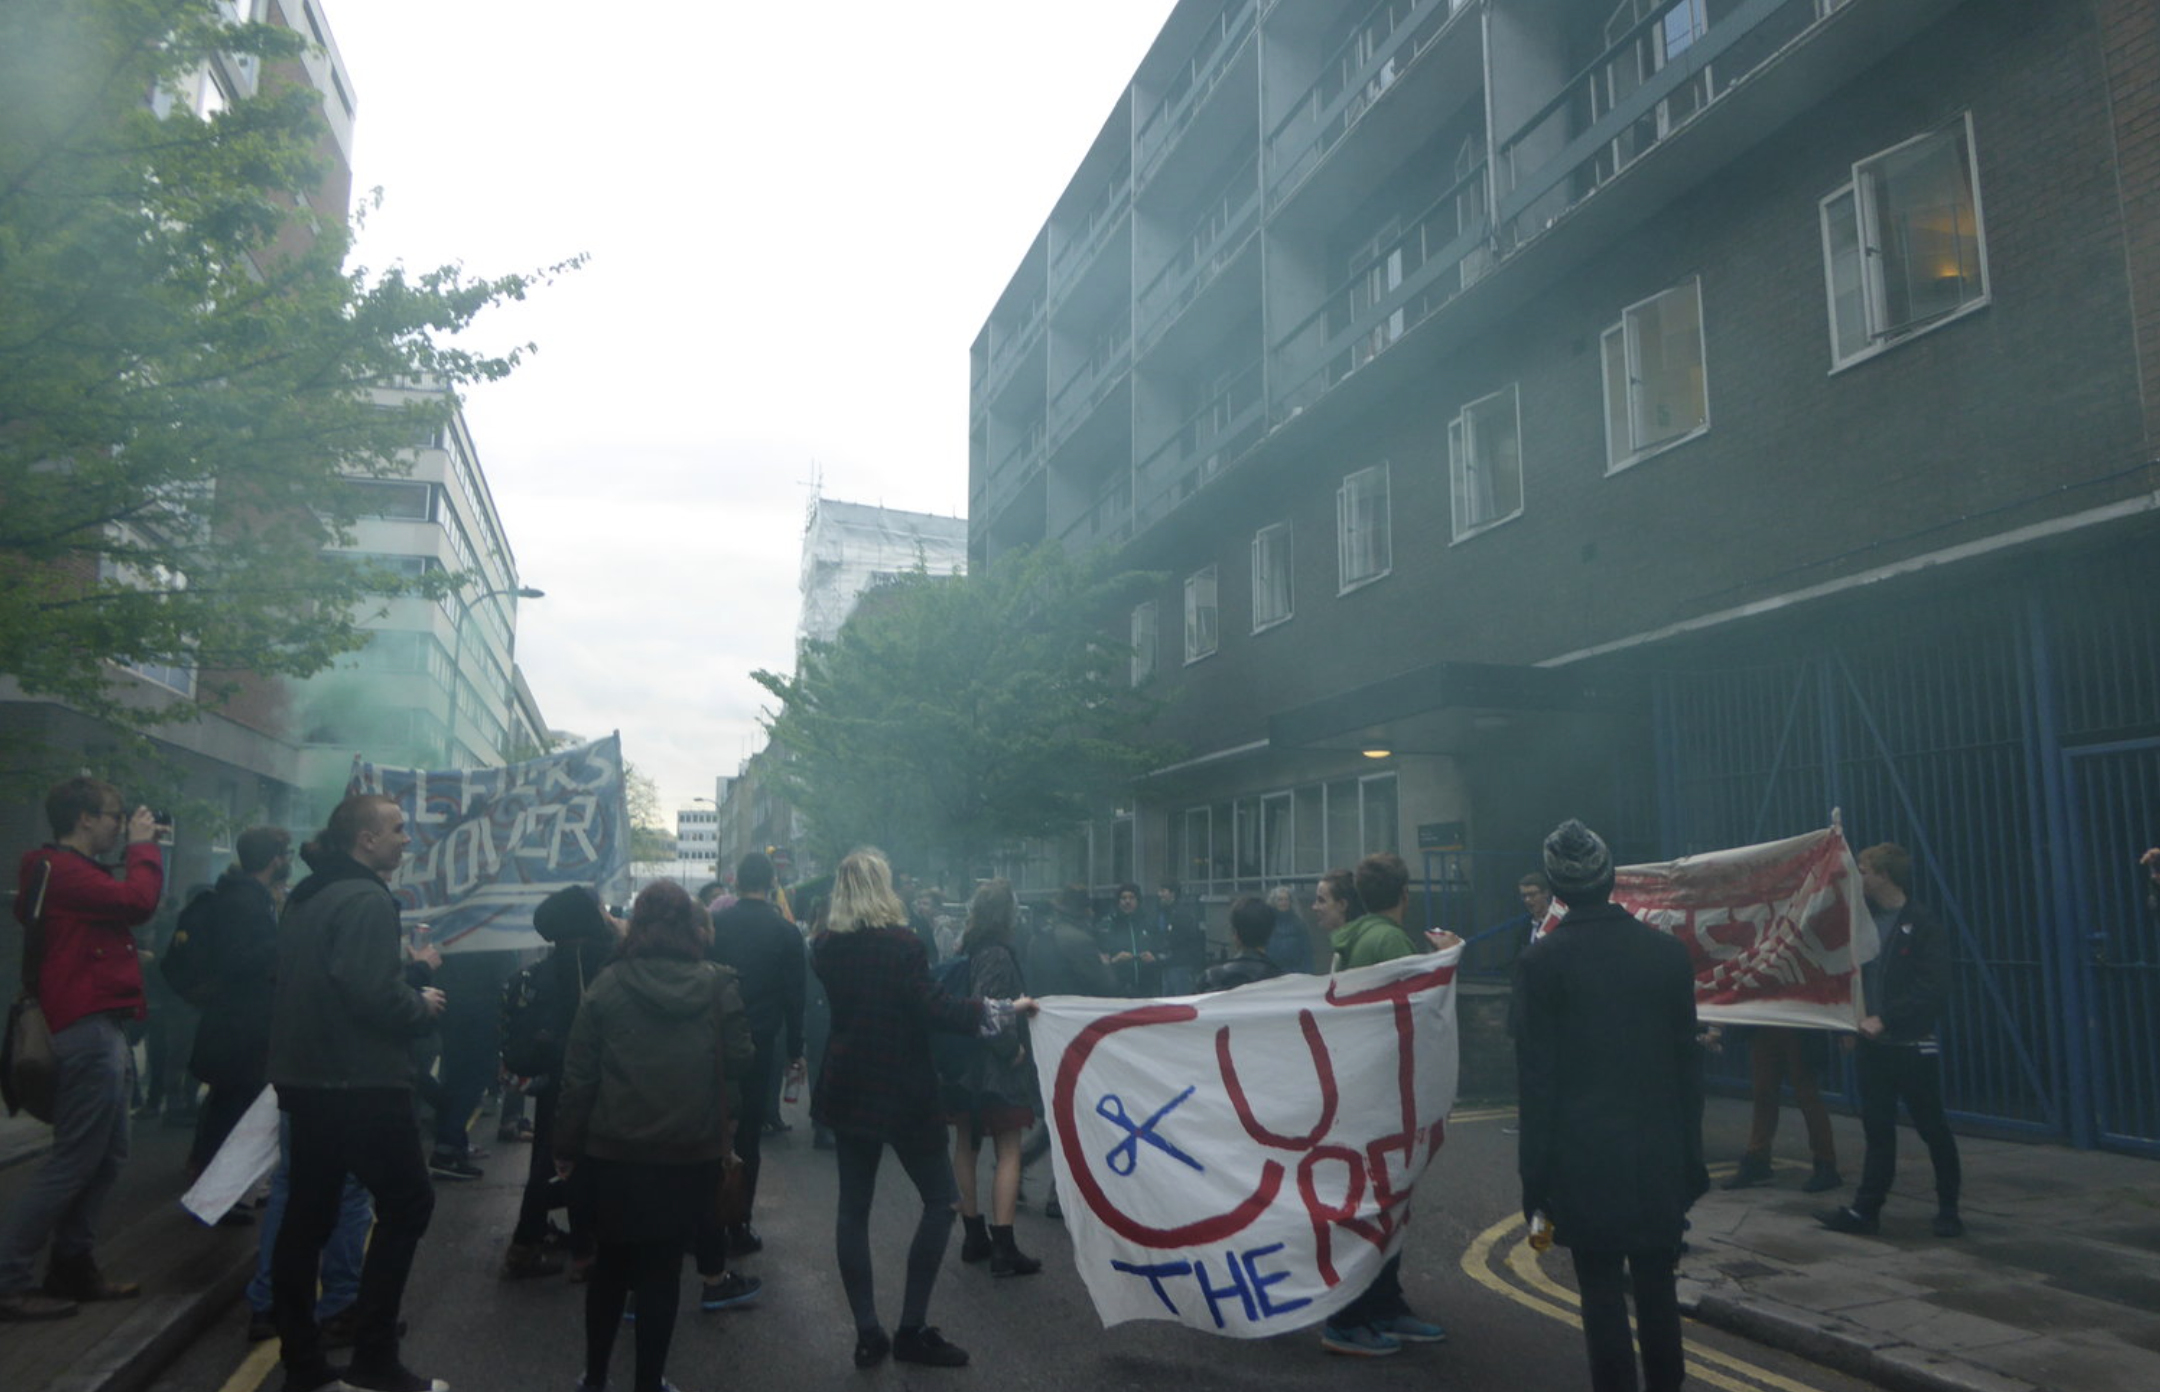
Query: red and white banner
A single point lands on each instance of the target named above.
(1244, 1162)
(1778, 932)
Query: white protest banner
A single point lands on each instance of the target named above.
(247, 1157)
(489, 844)
(1244, 1162)
(1778, 932)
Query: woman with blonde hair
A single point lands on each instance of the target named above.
(660, 1043)
(878, 1087)
(995, 1093)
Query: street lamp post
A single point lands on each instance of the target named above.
(457, 654)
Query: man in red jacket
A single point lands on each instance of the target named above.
(80, 957)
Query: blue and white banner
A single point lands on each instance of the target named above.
(489, 844)
(1244, 1162)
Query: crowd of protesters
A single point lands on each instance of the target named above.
(652, 1051)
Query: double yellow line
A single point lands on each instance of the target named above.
(1532, 1289)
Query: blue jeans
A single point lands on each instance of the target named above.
(341, 1254)
(95, 1075)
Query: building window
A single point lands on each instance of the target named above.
(1485, 462)
(1200, 629)
(1903, 248)
(1361, 528)
(1656, 394)
(1271, 586)
(1143, 642)
(413, 502)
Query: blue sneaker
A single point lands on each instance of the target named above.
(1409, 1329)
(1358, 1340)
(729, 1290)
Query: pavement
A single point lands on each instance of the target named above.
(2056, 1285)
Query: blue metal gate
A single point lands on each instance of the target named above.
(1974, 730)
(2114, 799)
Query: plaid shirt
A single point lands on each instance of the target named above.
(877, 1078)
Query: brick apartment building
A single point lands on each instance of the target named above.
(1692, 415)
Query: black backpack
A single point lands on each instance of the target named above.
(953, 1053)
(190, 960)
(529, 1046)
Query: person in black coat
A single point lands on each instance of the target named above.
(766, 952)
(584, 938)
(1899, 1054)
(1610, 1075)
(232, 1041)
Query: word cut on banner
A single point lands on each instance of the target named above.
(1244, 1162)
(1778, 932)
(489, 844)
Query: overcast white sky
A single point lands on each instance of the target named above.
(798, 216)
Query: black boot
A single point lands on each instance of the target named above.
(1006, 1258)
(1753, 1170)
(976, 1245)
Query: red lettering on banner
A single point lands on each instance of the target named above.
(1364, 1170)
(1323, 1072)
(1204, 1231)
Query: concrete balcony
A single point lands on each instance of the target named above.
(1215, 242)
(1201, 449)
(1189, 89)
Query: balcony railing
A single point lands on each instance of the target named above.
(1441, 254)
(1653, 79)
(1369, 62)
(1108, 520)
(1085, 389)
(1188, 89)
(1077, 254)
(1014, 468)
(1006, 357)
(1215, 240)
(1209, 441)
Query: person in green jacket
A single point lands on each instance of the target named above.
(1379, 1321)
(654, 1065)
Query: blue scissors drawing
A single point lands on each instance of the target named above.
(1125, 1155)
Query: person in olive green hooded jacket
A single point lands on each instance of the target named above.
(653, 1068)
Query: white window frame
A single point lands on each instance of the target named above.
(1866, 225)
(1622, 454)
(1143, 641)
(1462, 451)
(1272, 554)
(1383, 559)
(1203, 615)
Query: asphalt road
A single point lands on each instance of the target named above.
(1466, 1265)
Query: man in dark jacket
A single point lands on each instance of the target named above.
(1252, 923)
(1062, 957)
(1899, 1054)
(1611, 1084)
(583, 938)
(232, 1041)
(1181, 939)
(1132, 947)
(766, 953)
(341, 1058)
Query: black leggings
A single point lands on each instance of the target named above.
(930, 1167)
(654, 1271)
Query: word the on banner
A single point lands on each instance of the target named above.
(489, 844)
(1244, 1162)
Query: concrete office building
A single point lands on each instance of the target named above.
(1692, 415)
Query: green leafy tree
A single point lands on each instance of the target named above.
(958, 715)
(187, 367)
(649, 837)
